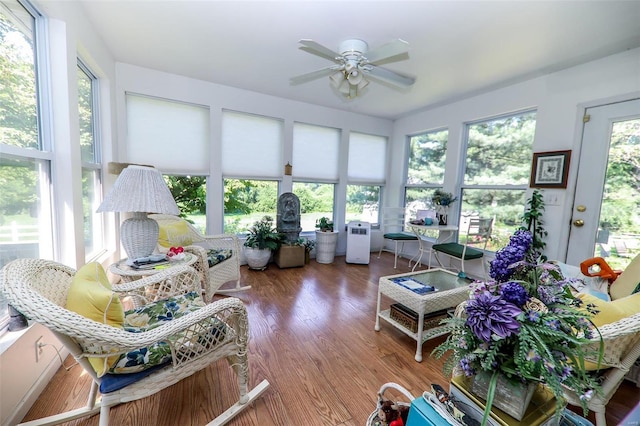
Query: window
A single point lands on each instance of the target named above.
(366, 176)
(190, 193)
(316, 201)
(246, 201)
(25, 209)
(315, 171)
(252, 152)
(91, 163)
(497, 169)
(425, 171)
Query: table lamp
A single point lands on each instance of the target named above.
(139, 190)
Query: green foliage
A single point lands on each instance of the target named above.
(533, 222)
(324, 224)
(263, 235)
(442, 198)
(190, 193)
(427, 155)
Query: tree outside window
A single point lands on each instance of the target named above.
(497, 170)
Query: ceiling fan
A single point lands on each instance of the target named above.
(354, 63)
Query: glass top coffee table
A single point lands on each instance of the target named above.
(423, 292)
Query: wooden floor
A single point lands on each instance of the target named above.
(312, 338)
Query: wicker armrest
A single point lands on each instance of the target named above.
(196, 331)
(171, 282)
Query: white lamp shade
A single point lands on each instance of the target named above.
(139, 190)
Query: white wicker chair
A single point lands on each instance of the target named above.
(212, 278)
(38, 288)
(622, 349)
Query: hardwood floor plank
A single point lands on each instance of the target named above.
(312, 337)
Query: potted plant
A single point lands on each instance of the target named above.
(262, 239)
(326, 240)
(309, 245)
(291, 254)
(442, 200)
(522, 328)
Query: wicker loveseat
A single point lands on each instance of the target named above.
(191, 334)
(219, 254)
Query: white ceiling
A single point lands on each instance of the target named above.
(457, 48)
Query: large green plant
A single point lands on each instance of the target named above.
(263, 235)
(532, 222)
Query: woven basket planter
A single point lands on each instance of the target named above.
(326, 246)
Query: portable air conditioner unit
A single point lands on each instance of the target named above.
(358, 242)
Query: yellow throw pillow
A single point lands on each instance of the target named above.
(610, 312)
(627, 281)
(90, 295)
(175, 234)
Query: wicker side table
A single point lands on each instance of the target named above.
(128, 273)
(450, 292)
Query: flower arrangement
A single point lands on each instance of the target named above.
(524, 324)
(263, 235)
(442, 198)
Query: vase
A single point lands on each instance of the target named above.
(441, 214)
(326, 246)
(257, 258)
(512, 397)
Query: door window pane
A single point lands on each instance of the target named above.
(619, 230)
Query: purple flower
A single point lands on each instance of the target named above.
(488, 314)
(466, 367)
(587, 395)
(533, 316)
(514, 293)
(501, 266)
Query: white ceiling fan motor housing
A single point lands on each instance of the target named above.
(353, 47)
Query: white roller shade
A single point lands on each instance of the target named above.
(315, 152)
(367, 158)
(251, 145)
(167, 134)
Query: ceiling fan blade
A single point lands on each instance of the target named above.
(318, 49)
(314, 75)
(391, 76)
(393, 48)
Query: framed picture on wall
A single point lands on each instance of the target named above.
(550, 169)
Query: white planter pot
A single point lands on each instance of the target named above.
(326, 246)
(257, 258)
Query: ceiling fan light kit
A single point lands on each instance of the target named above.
(354, 63)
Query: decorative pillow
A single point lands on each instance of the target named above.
(90, 295)
(149, 317)
(628, 281)
(175, 234)
(610, 312)
(216, 256)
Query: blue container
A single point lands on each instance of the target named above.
(422, 413)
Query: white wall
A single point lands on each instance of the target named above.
(560, 99)
(217, 98)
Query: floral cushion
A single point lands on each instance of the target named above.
(216, 256)
(147, 318)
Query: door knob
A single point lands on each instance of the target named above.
(578, 222)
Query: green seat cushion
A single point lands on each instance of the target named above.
(455, 250)
(216, 256)
(400, 236)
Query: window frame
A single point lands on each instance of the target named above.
(95, 166)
